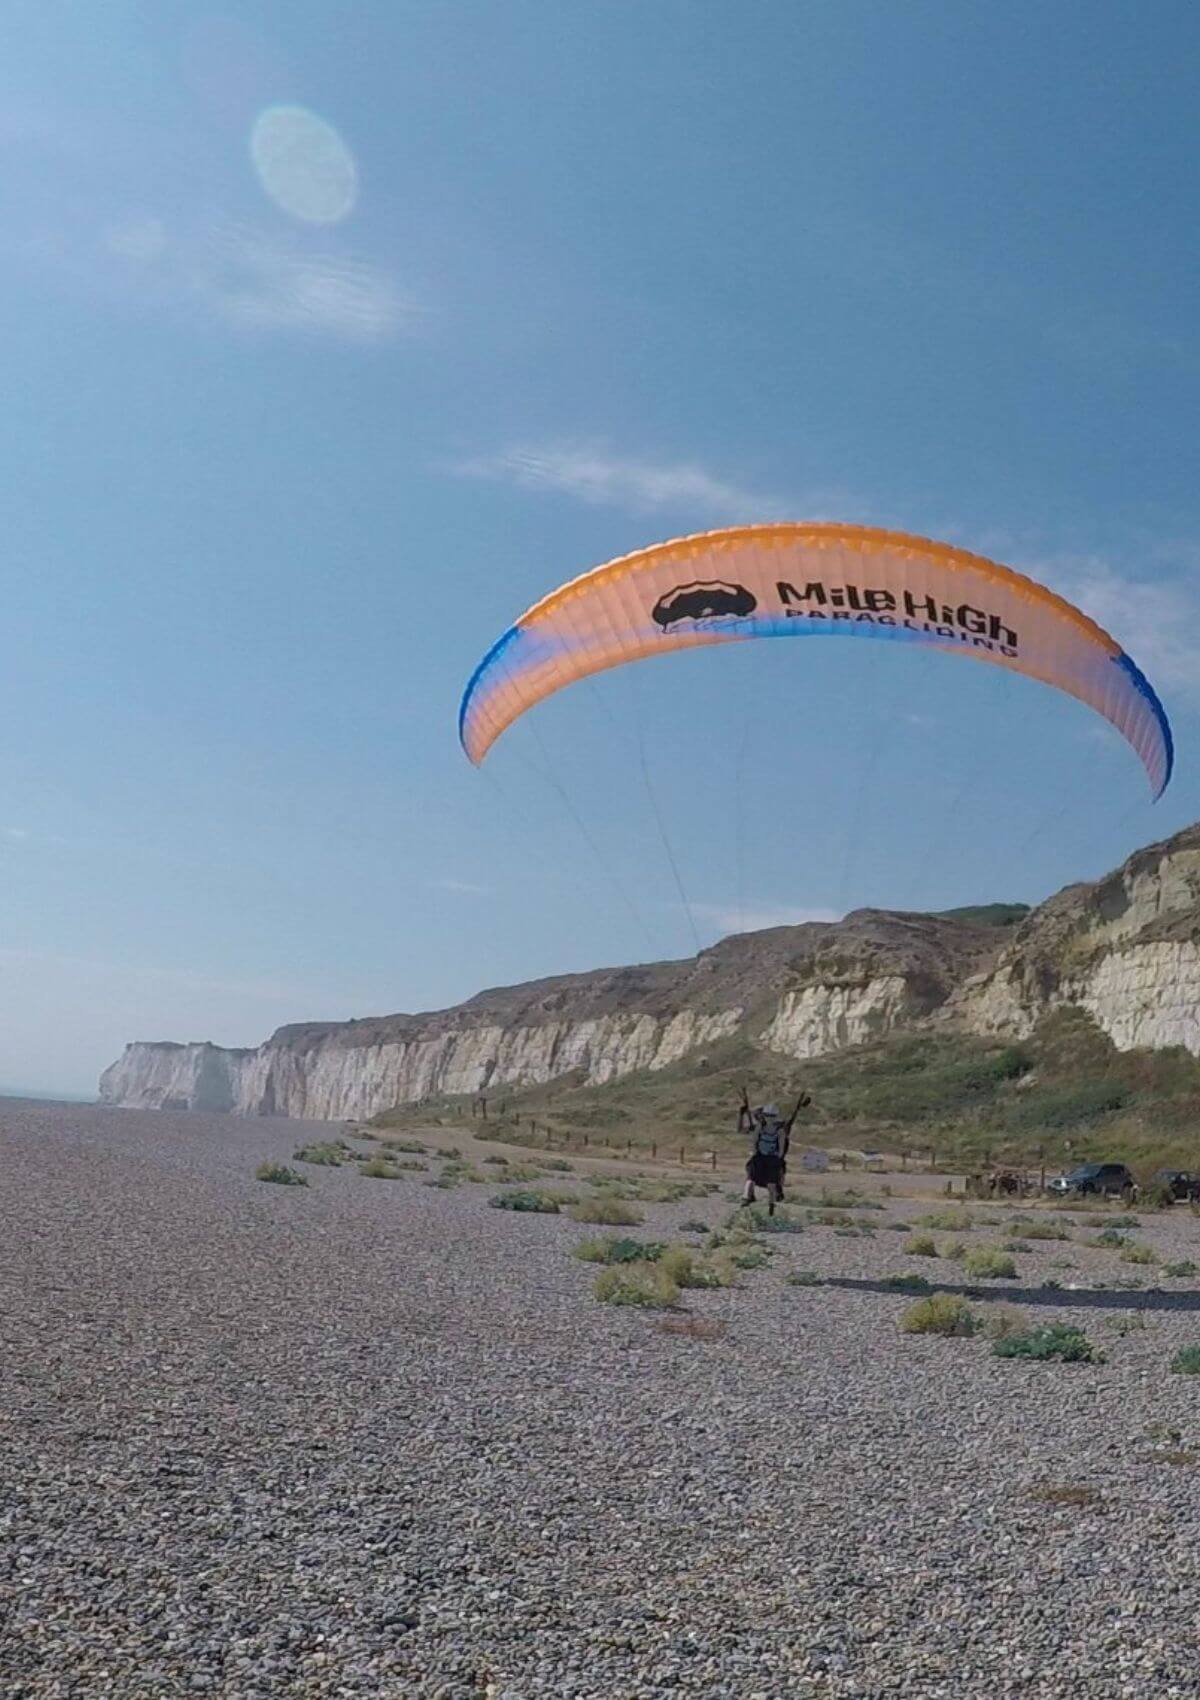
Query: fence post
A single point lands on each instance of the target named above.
(682, 1157)
(654, 1148)
(713, 1155)
(585, 1140)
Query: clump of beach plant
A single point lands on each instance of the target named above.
(1038, 1230)
(848, 1200)
(693, 1227)
(610, 1248)
(526, 1202)
(1180, 1271)
(783, 1221)
(1133, 1253)
(1186, 1361)
(461, 1171)
(279, 1174)
(378, 1168)
(955, 1219)
(1160, 1196)
(558, 1165)
(1129, 1322)
(610, 1212)
(413, 1147)
(803, 1278)
(908, 1283)
(323, 1153)
(643, 1284)
(681, 1266)
(1108, 1239)
(988, 1263)
(749, 1257)
(831, 1218)
(1057, 1340)
(920, 1245)
(942, 1313)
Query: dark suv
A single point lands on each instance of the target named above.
(1109, 1179)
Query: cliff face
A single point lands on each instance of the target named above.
(1126, 948)
(800, 988)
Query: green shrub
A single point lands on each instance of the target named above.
(413, 1147)
(1131, 1322)
(559, 1165)
(848, 1199)
(680, 1266)
(943, 1313)
(280, 1174)
(456, 1172)
(1180, 1271)
(783, 1222)
(1156, 1197)
(955, 1220)
(1058, 1340)
(378, 1168)
(803, 1278)
(1039, 1231)
(750, 1257)
(1108, 1239)
(908, 1283)
(611, 1249)
(954, 1251)
(1019, 1245)
(1131, 1253)
(693, 1227)
(323, 1153)
(988, 1263)
(641, 1284)
(525, 1201)
(1061, 1107)
(1186, 1361)
(610, 1212)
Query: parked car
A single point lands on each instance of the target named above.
(1107, 1179)
(1183, 1187)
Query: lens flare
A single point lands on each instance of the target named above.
(303, 164)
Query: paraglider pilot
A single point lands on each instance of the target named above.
(767, 1165)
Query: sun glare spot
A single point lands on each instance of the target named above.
(303, 164)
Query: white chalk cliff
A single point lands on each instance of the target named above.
(1126, 949)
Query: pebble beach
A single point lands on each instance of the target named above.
(365, 1439)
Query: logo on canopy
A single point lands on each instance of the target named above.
(705, 600)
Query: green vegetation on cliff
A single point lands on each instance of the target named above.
(1064, 1095)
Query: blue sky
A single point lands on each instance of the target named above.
(286, 445)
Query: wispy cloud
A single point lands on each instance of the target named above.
(1153, 615)
(592, 474)
(253, 280)
(464, 888)
(755, 917)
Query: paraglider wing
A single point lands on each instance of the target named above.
(819, 580)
